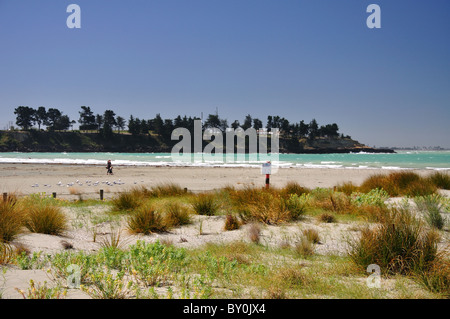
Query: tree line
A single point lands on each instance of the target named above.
(106, 123)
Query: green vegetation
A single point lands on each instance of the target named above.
(440, 179)
(43, 216)
(27, 117)
(109, 132)
(146, 220)
(432, 208)
(400, 184)
(403, 240)
(11, 218)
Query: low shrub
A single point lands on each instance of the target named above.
(108, 285)
(375, 197)
(42, 291)
(155, 264)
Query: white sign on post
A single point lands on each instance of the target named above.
(266, 168)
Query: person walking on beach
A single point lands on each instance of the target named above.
(109, 168)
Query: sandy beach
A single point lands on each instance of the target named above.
(67, 180)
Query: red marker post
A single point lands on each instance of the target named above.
(266, 169)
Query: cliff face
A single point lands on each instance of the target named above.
(35, 141)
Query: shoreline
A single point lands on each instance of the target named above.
(69, 179)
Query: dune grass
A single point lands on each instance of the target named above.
(400, 184)
(6, 253)
(45, 219)
(205, 204)
(43, 214)
(432, 209)
(269, 206)
(11, 218)
(146, 220)
(231, 222)
(399, 243)
(128, 201)
(440, 179)
(176, 214)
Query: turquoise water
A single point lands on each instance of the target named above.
(437, 160)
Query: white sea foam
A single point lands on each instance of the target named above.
(332, 161)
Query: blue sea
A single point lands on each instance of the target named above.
(433, 160)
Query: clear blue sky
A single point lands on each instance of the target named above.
(300, 59)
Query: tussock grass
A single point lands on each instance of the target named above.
(231, 222)
(205, 204)
(146, 220)
(347, 188)
(304, 247)
(176, 214)
(292, 188)
(46, 218)
(312, 235)
(372, 213)
(12, 216)
(399, 244)
(326, 218)
(128, 200)
(400, 184)
(330, 200)
(440, 180)
(254, 233)
(6, 253)
(265, 205)
(431, 207)
(167, 190)
(113, 240)
(437, 277)
(138, 196)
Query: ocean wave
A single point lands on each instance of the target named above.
(164, 159)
